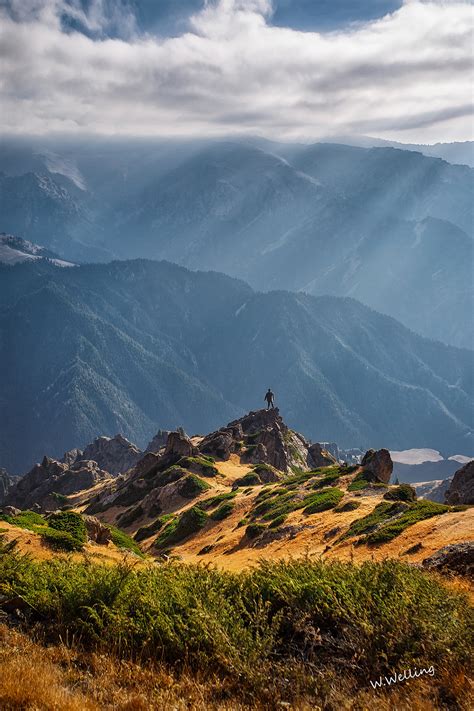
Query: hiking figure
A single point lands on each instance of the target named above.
(270, 397)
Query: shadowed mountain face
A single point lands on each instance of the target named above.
(391, 228)
(130, 346)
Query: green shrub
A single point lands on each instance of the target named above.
(153, 527)
(324, 500)
(223, 511)
(26, 519)
(200, 465)
(359, 482)
(253, 625)
(404, 492)
(192, 486)
(218, 499)
(367, 523)
(61, 540)
(348, 506)
(419, 511)
(123, 540)
(188, 523)
(328, 479)
(250, 479)
(255, 529)
(69, 522)
(278, 521)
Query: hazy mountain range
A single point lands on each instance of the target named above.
(391, 228)
(136, 345)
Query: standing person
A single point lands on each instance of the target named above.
(270, 398)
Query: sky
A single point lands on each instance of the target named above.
(284, 69)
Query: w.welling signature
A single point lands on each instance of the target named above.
(403, 676)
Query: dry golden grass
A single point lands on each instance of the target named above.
(57, 678)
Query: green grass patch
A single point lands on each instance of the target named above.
(403, 492)
(324, 500)
(278, 521)
(250, 479)
(348, 506)
(199, 465)
(359, 482)
(153, 527)
(218, 499)
(255, 529)
(192, 486)
(367, 523)
(189, 522)
(123, 540)
(419, 511)
(223, 511)
(26, 519)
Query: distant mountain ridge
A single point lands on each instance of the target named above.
(132, 346)
(386, 226)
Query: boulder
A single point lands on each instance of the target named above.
(96, 531)
(319, 457)
(461, 489)
(179, 445)
(457, 558)
(218, 444)
(10, 511)
(378, 465)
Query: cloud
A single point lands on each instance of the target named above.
(407, 75)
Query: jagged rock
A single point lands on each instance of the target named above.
(48, 481)
(319, 457)
(461, 489)
(158, 441)
(218, 444)
(113, 454)
(457, 558)
(378, 464)
(71, 456)
(178, 444)
(10, 511)
(96, 531)
(259, 437)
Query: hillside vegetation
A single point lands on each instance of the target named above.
(283, 631)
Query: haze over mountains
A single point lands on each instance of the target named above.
(135, 345)
(388, 227)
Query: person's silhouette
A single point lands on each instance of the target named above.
(269, 397)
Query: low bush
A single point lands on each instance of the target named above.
(348, 506)
(256, 625)
(189, 522)
(255, 529)
(403, 492)
(224, 510)
(322, 501)
(419, 511)
(192, 486)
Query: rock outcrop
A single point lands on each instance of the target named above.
(461, 489)
(320, 457)
(378, 465)
(96, 531)
(46, 483)
(457, 558)
(260, 437)
(158, 441)
(113, 454)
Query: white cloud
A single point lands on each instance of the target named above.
(406, 76)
